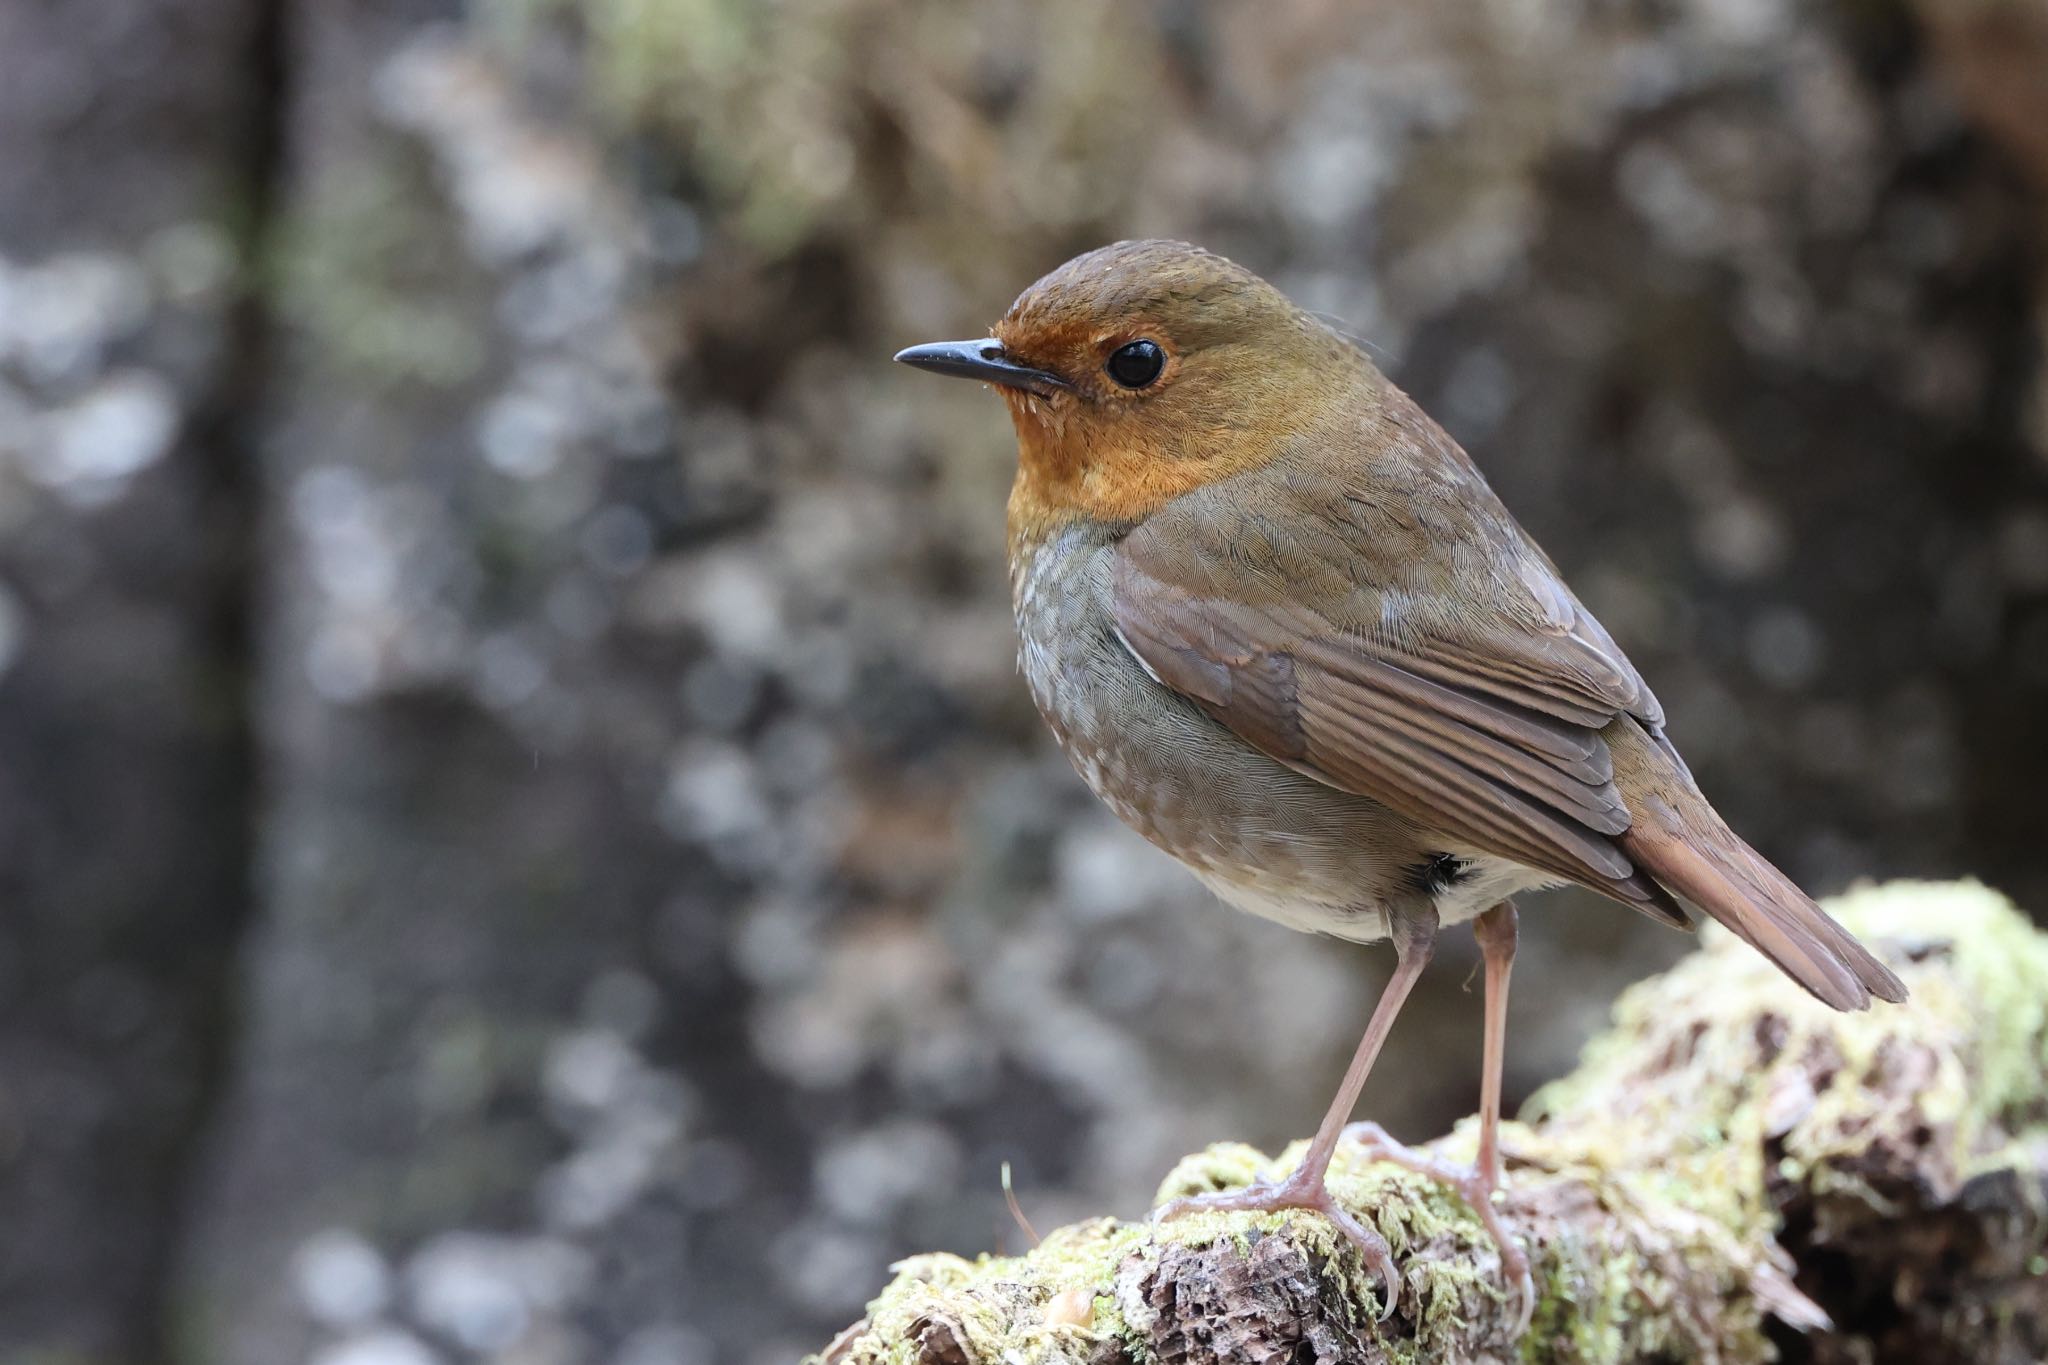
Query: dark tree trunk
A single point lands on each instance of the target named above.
(138, 145)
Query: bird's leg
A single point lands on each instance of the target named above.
(1414, 935)
(1495, 931)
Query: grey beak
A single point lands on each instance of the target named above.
(983, 360)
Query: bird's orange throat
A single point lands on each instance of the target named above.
(1072, 470)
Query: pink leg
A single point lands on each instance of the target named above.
(1495, 931)
(1414, 937)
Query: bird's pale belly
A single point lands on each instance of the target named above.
(1265, 838)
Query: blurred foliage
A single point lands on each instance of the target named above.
(811, 116)
(349, 269)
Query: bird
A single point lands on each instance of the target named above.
(1281, 625)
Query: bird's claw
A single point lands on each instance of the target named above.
(1300, 1191)
(1476, 1190)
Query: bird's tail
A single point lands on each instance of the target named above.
(1678, 839)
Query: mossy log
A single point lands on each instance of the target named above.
(1734, 1173)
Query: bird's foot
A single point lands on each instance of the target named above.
(1301, 1190)
(1472, 1184)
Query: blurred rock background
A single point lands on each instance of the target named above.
(520, 840)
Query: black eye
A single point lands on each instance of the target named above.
(1137, 364)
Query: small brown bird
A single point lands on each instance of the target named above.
(1284, 629)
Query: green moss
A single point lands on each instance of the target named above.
(997, 1304)
(1696, 1130)
(1708, 1072)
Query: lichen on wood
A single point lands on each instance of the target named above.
(1734, 1173)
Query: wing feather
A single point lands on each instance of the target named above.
(1486, 731)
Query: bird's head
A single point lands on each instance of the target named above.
(1144, 370)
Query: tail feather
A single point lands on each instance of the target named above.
(1678, 839)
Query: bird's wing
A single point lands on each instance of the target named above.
(1399, 637)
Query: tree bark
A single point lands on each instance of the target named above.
(1734, 1173)
(138, 149)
